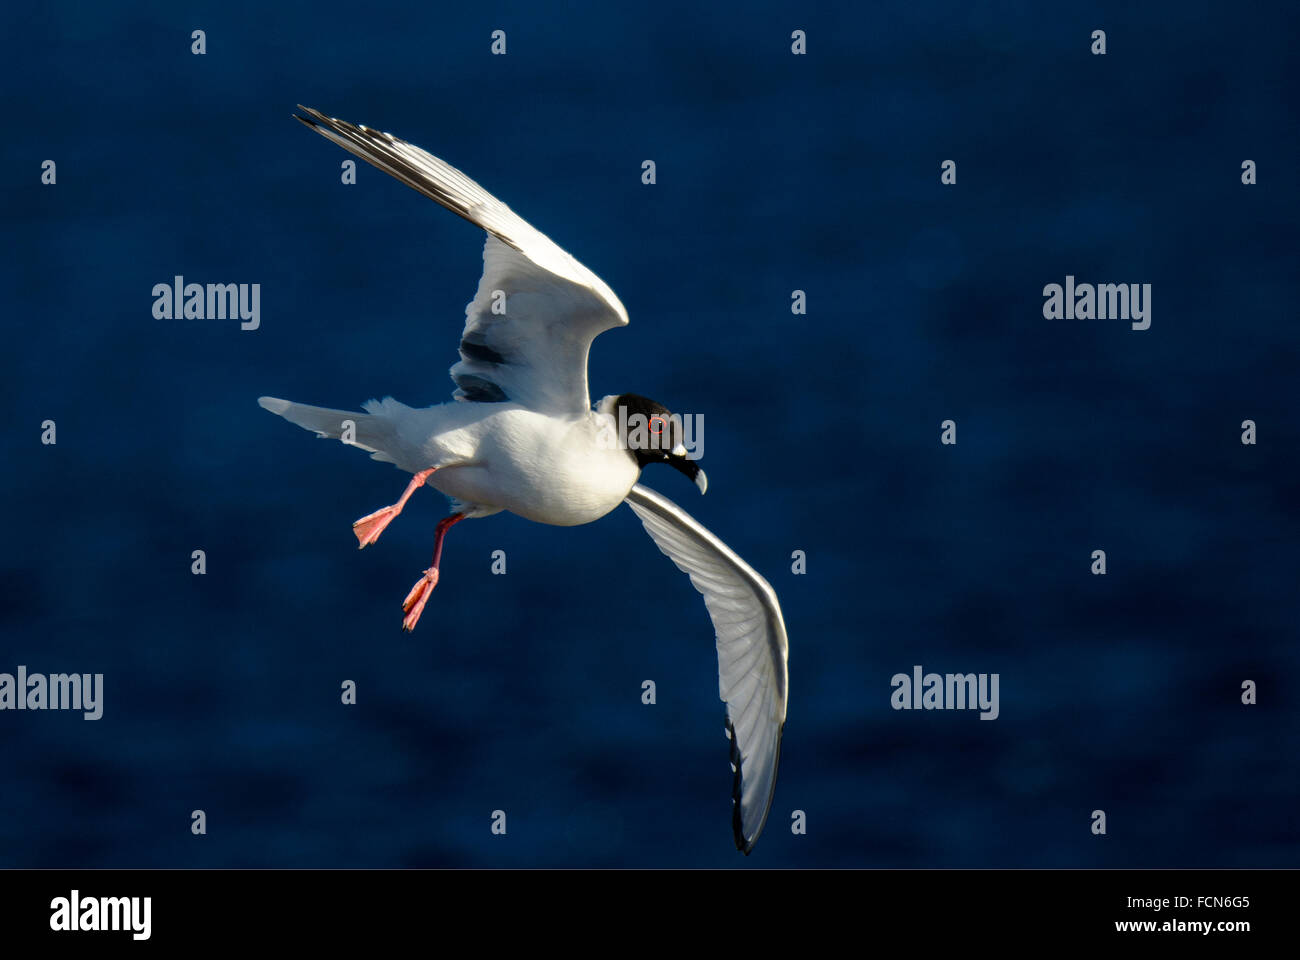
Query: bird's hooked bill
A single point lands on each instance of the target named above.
(681, 460)
(685, 465)
(700, 479)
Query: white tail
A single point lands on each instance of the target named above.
(372, 432)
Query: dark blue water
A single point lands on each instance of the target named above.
(775, 172)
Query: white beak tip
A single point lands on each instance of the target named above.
(702, 482)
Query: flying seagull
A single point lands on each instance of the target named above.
(522, 436)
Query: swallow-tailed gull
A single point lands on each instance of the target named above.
(523, 436)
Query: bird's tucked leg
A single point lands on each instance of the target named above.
(369, 527)
(414, 603)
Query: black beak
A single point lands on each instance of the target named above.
(690, 468)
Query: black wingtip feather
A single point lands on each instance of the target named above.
(737, 821)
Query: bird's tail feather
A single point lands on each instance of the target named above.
(372, 432)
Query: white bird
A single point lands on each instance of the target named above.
(524, 437)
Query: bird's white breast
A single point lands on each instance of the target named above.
(547, 469)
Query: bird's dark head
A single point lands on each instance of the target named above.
(650, 433)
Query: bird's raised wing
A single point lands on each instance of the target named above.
(530, 325)
(752, 651)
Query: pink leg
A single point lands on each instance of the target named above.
(369, 527)
(419, 595)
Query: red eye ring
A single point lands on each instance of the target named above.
(661, 420)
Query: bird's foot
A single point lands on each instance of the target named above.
(419, 595)
(414, 603)
(369, 527)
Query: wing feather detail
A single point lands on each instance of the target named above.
(529, 328)
(752, 651)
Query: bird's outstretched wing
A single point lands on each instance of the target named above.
(530, 325)
(752, 651)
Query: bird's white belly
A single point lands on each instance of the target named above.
(542, 469)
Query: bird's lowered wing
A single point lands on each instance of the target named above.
(530, 325)
(752, 651)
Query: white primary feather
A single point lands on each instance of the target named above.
(554, 306)
(752, 651)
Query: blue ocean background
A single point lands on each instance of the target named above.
(775, 172)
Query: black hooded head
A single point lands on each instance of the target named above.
(652, 434)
